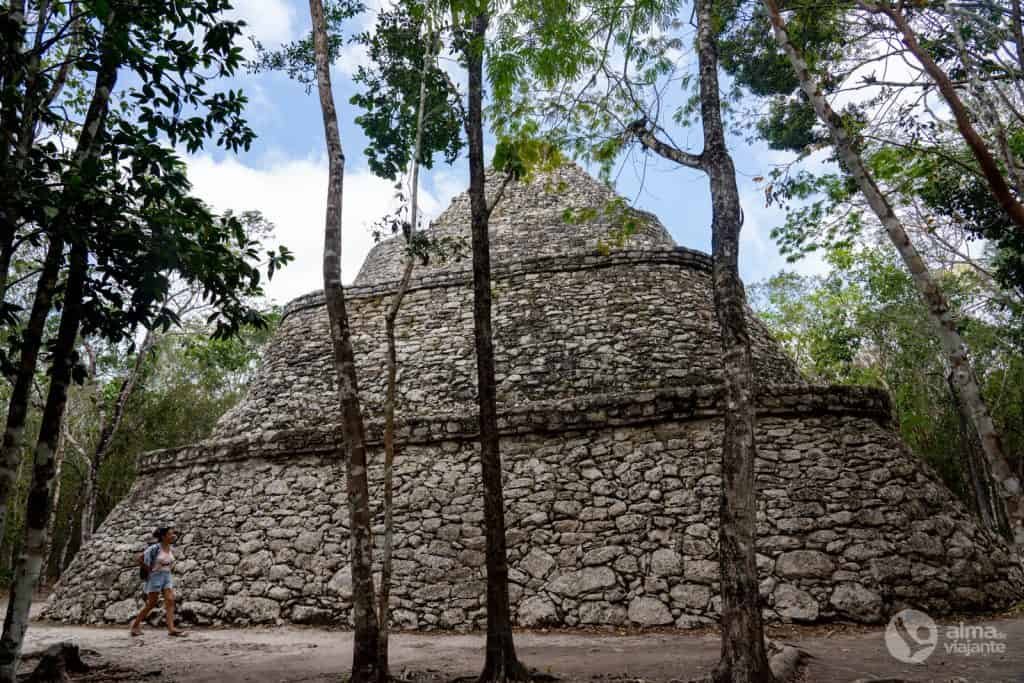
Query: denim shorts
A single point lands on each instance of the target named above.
(158, 581)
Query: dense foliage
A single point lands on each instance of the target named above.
(189, 380)
(99, 226)
(863, 323)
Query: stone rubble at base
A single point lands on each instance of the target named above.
(609, 390)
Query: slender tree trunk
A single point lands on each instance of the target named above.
(744, 658)
(384, 618)
(365, 649)
(7, 559)
(109, 424)
(392, 384)
(986, 162)
(938, 307)
(1017, 26)
(983, 489)
(62, 560)
(51, 524)
(15, 149)
(501, 662)
(389, 459)
(31, 343)
(6, 255)
(89, 498)
(32, 337)
(12, 75)
(30, 560)
(12, 544)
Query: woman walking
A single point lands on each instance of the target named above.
(156, 562)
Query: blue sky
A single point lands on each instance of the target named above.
(284, 174)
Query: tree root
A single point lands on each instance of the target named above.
(532, 676)
(785, 661)
(56, 662)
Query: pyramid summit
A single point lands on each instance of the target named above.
(530, 221)
(609, 389)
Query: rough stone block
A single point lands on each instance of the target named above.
(648, 611)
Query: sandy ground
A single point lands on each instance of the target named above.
(293, 655)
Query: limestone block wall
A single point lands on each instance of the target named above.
(564, 326)
(612, 519)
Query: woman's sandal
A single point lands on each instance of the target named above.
(136, 632)
(178, 634)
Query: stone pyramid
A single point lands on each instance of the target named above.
(609, 390)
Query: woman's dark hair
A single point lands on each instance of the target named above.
(161, 531)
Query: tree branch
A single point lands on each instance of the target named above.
(646, 137)
(499, 194)
(996, 181)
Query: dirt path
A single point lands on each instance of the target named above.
(296, 655)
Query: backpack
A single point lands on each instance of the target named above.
(146, 559)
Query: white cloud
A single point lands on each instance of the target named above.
(351, 57)
(447, 183)
(354, 55)
(759, 254)
(292, 193)
(271, 22)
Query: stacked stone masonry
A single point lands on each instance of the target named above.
(611, 421)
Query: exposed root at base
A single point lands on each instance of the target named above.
(57, 662)
(65, 662)
(784, 661)
(531, 676)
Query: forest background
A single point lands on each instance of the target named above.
(839, 300)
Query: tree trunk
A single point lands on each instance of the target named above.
(30, 560)
(7, 554)
(32, 337)
(365, 648)
(58, 661)
(938, 307)
(14, 156)
(10, 545)
(389, 460)
(392, 384)
(51, 524)
(10, 96)
(501, 663)
(18, 403)
(986, 162)
(109, 426)
(982, 487)
(65, 547)
(89, 498)
(1017, 24)
(11, 76)
(744, 658)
